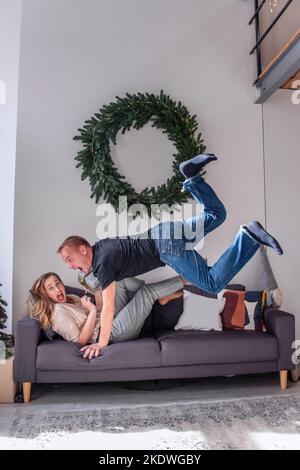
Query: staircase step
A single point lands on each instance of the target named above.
(285, 49)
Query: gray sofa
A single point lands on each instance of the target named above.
(160, 352)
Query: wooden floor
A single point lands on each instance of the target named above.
(83, 396)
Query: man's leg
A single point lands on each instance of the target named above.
(213, 279)
(213, 215)
(175, 236)
(129, 321)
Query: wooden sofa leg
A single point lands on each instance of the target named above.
(26, 391)
(283, 379)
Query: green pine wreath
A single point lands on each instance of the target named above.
(135, 111)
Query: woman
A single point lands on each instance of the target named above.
(77, 319)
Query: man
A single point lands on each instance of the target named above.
(168, 243)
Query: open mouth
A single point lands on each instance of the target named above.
(61, 297)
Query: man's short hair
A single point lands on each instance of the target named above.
(75, 241)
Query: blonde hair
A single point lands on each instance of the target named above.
(75, 241)
(38, 304)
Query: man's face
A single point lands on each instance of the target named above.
(76, 258)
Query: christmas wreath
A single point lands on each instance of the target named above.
(135, 111)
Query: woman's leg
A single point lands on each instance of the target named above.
(168, 298)
(129, 321)
(125, 290)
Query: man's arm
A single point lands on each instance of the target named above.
(98, 299)
(107, 314)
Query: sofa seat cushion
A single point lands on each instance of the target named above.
(66, 355)
(215, 347)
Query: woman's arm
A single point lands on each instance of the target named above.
(88, 327)
(98, 298)
(107, 318)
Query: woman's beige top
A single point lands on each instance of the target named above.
(68, 320)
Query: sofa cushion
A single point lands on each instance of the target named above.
(66, 355)
(200, 313)
(166, 316)
(215, 347)
(243, 309)
(50, 334)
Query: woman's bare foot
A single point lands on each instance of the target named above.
(165, 300)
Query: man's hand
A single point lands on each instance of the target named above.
(91, 350)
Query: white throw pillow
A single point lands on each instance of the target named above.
(200, 313)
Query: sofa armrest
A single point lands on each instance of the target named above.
(282, 325)
(27, 336)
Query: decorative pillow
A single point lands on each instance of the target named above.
(165, 316)
(243, 310)
(200, 313)
(255, 304)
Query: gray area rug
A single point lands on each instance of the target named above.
(252, 423)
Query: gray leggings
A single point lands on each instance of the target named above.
(130, 315)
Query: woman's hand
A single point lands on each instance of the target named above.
(87, 303)
(91, 350)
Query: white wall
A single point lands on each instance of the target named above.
(282, 164)
(10, 23)
(282, 154)
(78, 55)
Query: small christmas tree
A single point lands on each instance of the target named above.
(3, 316)
(8, 339)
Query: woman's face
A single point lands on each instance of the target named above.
(55, 290)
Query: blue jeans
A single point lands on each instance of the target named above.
(176, 248)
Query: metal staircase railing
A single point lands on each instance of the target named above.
(260, 37)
